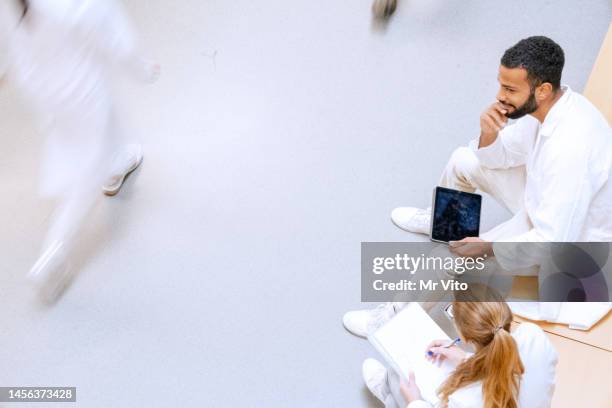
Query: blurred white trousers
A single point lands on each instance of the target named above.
(75, 167)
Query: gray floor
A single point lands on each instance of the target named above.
(279, 137)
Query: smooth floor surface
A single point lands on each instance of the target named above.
(280, 136)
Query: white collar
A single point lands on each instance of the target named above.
(556, 113)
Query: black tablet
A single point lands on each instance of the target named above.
(455, 215)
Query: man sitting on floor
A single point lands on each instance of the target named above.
(550, 168)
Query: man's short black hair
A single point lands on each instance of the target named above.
(541, 57)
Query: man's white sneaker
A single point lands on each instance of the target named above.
(123, 164)
(412, 219)
(363, 322)
(375, 378)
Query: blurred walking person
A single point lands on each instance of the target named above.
(60, 55)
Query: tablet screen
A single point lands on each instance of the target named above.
(456, 215)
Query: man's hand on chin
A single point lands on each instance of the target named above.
(471, 247)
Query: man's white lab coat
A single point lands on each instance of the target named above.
(568, 191)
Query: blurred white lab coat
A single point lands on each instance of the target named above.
(60, 58)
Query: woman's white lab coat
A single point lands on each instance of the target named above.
(538, 383)
(60, 58)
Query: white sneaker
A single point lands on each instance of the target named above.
(375, 378)
(364, 322)
(412, 219)
(51, 274)
(123, 164)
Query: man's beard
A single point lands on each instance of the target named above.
(528, 107)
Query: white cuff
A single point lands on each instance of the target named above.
(419, 404)
(491, 156)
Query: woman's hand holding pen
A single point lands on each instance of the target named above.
(438, 351)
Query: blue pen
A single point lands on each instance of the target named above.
(451, 344)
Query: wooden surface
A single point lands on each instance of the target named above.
(583, 374)
(525, 287)
(599, 336)
(599, 86)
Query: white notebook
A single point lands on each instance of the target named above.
(403, 340)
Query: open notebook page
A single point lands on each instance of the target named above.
(403, 341)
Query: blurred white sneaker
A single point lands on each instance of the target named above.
(51, 274)
(375, 378)
(412, 219)
(383, 9)
(123, 164)
(363, 322)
